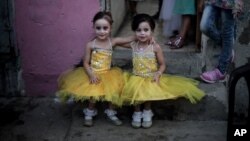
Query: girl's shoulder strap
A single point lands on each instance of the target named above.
(133, 45)
(152, 46)
(110, 44)
(93, 44)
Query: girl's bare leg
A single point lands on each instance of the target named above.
(147, 105)
(91, 105)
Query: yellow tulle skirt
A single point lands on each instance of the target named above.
(140, 89)
(75, 83)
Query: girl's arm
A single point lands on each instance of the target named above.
(92, 77)
(127, 45)
(123, 41)
(161, 63)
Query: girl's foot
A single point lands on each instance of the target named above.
(147, 118)
(136, 122)
(57, 99)
(88, 118)
(111, 115)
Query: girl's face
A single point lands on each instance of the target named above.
(143, 32)
(102, 29)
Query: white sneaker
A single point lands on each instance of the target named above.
(88, 121)
(147, 118)
(57, 100)
(89, 114)
(70, 101)
(60, 101)
(111, 115)
(136, 122)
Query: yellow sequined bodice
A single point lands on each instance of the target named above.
(101, 59)
(144, 61)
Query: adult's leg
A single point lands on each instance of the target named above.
(208, 24)
(157, 14)
(178, 42)
(225, 38)
(186, 21)
(227, 35)
(132, 7)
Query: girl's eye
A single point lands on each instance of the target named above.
(146, 29)
(105, 28)
(98, 27)
(138, 30)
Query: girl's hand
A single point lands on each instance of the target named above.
(157, 76)
(94, 79)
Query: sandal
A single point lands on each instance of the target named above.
(171, 40)
(169, 43)
(177, 43)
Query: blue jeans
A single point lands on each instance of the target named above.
(219, 25)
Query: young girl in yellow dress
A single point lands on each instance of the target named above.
(147, 83)
(96, 80)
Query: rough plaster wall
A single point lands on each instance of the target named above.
(51, 35)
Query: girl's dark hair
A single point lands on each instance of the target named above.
(103, 15)
(142, 18)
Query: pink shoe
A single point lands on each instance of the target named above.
(213, 76)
